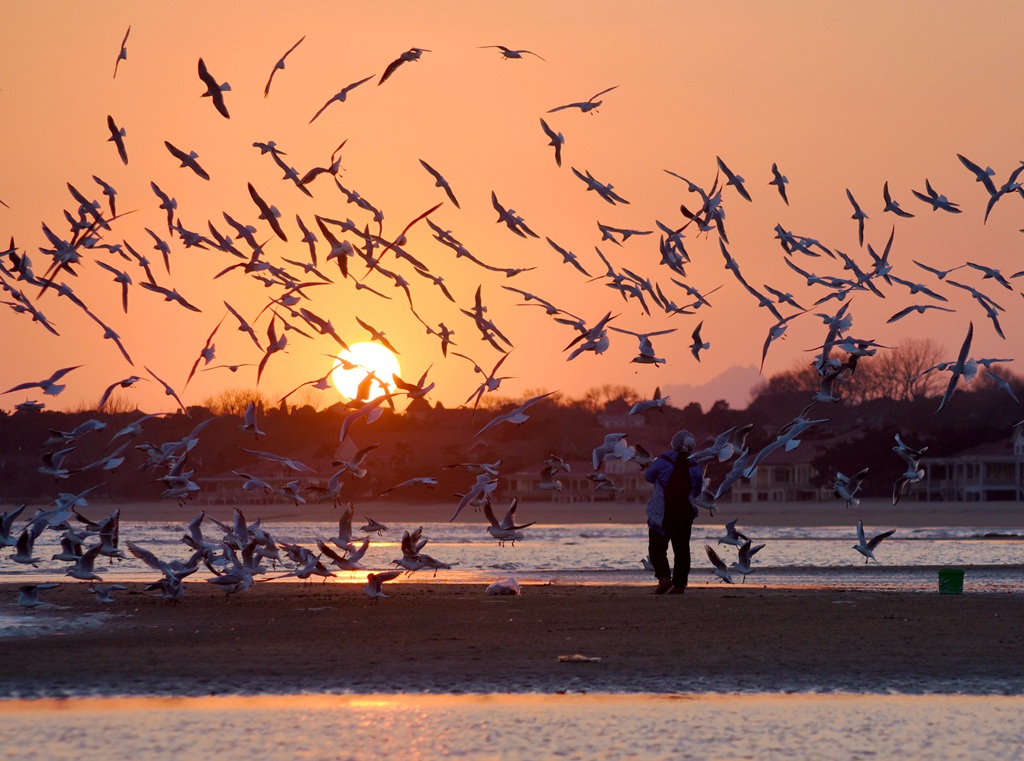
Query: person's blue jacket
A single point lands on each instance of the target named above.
(658, 473)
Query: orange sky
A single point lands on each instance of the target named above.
(839, 96)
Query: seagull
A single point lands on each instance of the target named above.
(268, 213)
(557, 141)
(603, 190)
(507, 53)
(548, 481)
(513, 221)
(349, 561)
(187, 160)
(721, 570)
(214, 89)
(984, 176)
(506, 529)
(417, 481)
(891, 205)
(104, 594)
(846, 487)
(961, 368)
(122, 54)
(780, 181)
(340, 96)
(28, 594)
(373, 526)
(866, 547)
(48, 385)
(485, 484)
(375, 583)
(83, 567)
(286, 462)
(586, 106)
(614, 447)
(733, 179)
(732, 536)
(742, 564)
(859, 215)
(517, 415)
(169, 391)
(698, 344)
(441, 182)
(249, 421)
(935, 200)
(412, 54)
(656, 402)
(118, 138)
(280, 65)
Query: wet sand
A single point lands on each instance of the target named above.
(289, 638)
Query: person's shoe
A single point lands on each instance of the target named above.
(676, 590)
(663, 587)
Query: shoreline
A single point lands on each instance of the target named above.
(906, 514)
(453, 638)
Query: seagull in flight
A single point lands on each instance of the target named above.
(891, 205)
(122, 54)
(557, 140)
(280, 65)
(507, 53)
(721, 569)
(48, 385)
(441, 182)
(586, 106)
(517, 416)
(214, 90)
(961, 368)
(187, 160)
(412, 54)
(340, 96)
(780, 181)
(865, 546)
(117, 135)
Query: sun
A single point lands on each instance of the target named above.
(366, 358)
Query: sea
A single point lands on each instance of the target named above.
(613, 553)
(561, 726)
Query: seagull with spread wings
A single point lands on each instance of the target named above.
(280, 65)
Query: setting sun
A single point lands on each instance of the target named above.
(364, 358)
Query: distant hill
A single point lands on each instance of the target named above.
(733, 386)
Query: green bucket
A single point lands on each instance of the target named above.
(951, 581)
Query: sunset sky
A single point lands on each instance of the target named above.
(839, 96)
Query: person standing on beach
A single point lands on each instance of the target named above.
(670, 512)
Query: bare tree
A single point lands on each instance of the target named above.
(233, 401)
(902, 373)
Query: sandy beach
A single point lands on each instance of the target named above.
(289, 638)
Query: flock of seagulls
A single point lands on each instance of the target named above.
(358, 254)
(237, 557)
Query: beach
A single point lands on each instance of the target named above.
(291, 638)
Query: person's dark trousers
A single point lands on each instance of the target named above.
(657, 545)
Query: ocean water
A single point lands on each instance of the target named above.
(679, 726)
(612, 553)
